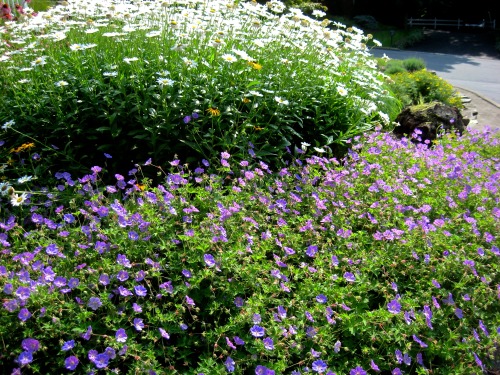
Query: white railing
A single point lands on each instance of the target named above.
(435, 22)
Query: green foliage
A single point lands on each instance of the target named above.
(399, 38)
(394, 66)
(158, 80)
(424, 87)
(413, 64)
(391, 250)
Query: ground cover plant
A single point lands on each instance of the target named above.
(384, 262)
(187, 79)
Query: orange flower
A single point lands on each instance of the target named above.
(213, 111)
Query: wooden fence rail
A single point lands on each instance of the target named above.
(458, 23)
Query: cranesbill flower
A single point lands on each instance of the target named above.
(140, 291)
(86, 335)
(319, 366)
(23, 293)
(229, 363)
(357, 371)
(68, 345)
(164, 333)
(190, 301)
(121, 335)
(268, 343)
(311, 251)
(281, 312)
(336, 347)
(25, 358)
(257, 331)
(24, 314)
(394, 306)
(420, 342)
(30, 345)
(101, 360)
(138, 324)
(239, 302)
(209, 260)
(483, 328)
(349, 277)
(94, 303)
(71, 363)
(374, 366)
(396, 371)
(321, 298)
(230, 344)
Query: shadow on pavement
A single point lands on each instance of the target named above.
(479, 44)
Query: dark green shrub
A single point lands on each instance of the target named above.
(413, 64)
(394, 66)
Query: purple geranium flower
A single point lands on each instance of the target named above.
(121, 335)
(268, 343)
(349, 276)
(24, 314)
(164, 333)
(138, 324)
(94, 303)
(319, 366)
(239, 302)
(420, 342)
(68, 345)
(25, 358)
(357, 371)
(190, 301)
(311, 251)
(374, 366)
(30, 345)
(321, 298)
(209, 260)
(394, 306)
(71, 362)
(86, 335)
(23, 293)
(101, 360)
(257, 331)
(140, 291)
(229, 363)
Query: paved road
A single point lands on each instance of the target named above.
(478, 74)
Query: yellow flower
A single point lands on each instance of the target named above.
(213, 111)
(246, 100)
(255, 65)
(23, 147)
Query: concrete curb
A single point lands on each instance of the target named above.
(478, 95)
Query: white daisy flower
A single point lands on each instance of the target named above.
(91, 30)
(76, 47)
(24, 179)
(229, 58)
(165, 81)
(281, 101)
(39, 61)
(17, 200)
(255, 93)
(128, 60)
(24, 80)
(342, 90)
(110, 74)
(62, 83)
(8, 124)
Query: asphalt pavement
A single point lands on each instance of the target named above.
(469, 62)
